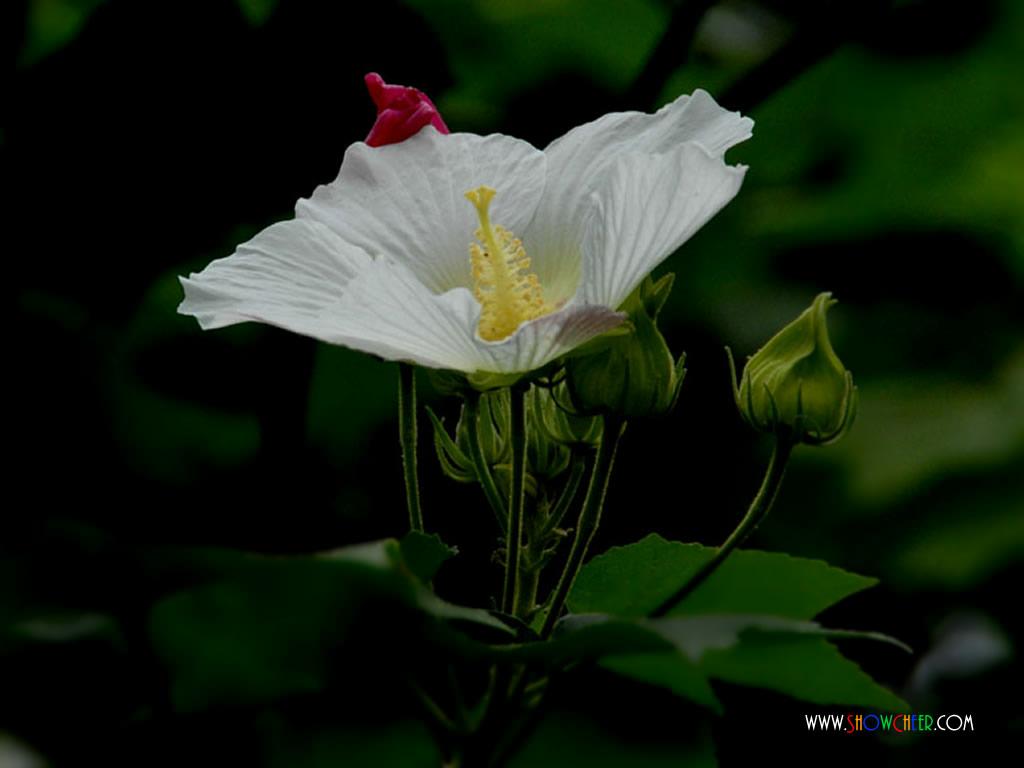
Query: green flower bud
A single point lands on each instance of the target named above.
(796, 385)
(493, 427)
(553, 418)
(546, 458)
(631, 374)
(456, 456)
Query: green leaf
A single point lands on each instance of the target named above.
(404, 743)
(634, 579)
(569, 738)
(263, 627)
(223, 644)
(694, 636)
(807, 668)
(424, 554)
(671, 671)
(442, 609)
(717, 646)
(587, 638)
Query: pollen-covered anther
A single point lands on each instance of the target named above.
(509, 294)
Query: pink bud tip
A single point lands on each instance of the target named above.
(401, 112)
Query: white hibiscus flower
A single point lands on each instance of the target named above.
(482, 254)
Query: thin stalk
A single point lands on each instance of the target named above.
(759, 508)
(433, 709)
(515, 737)
(569, 491)
(483, 470)
(526, 591)
(407, 439)
(516, 500)
(590, 518)
(539, 531)
(461, 713)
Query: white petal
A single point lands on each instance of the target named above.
(386, 311)
(284, 276)
(406, 201)
(578, 160)
(649, 206)
(542, 340)
(587, 148)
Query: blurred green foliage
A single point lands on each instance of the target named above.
(52, 24)
(889, 172)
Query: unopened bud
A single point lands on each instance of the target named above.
(796, 384)
(633, 374)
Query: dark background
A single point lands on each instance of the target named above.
(142, 139)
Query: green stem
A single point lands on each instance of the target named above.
(590, 518)
(569, 491)
(517, 497)
(407, 438)
(526, 591)
(483, 470)
(461, 713)
(537, 537)
(433, 709)
(759, 508)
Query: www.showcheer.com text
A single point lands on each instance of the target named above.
(892, 723)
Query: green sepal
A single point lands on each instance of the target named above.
(454, 462)
(602, 342)
(656, 294)
(447, 382)
(492, 427)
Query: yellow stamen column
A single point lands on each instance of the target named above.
(509, 294)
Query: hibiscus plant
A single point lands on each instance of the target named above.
(519, 280)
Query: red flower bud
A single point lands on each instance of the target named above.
(401, 112)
